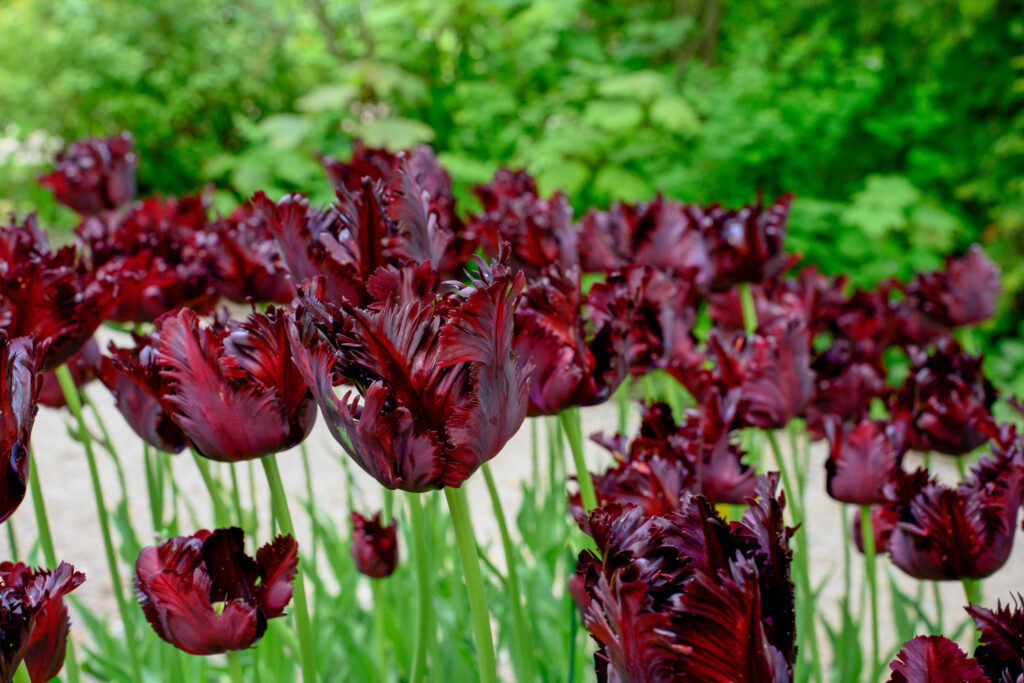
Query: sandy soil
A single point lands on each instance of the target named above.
(72, 512)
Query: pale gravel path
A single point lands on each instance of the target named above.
(72, 512)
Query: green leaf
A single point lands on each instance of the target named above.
(674, 113)
(285, 131)
(616, 182)
(613, 115)
(395, 133)
(330, 97)
(641, 85)
(568, 176)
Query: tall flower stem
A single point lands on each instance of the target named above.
(972, 591)
(868, 540)
(235, 667)
(423, 615)
(67, 385)
(522, 628)
(379, 637)
(108, 445)
(803, 560)
(12, 540)
(220, 512)
(570, 421)
(21, 674)
(748, 308)
(458, 505)
(49, 553)
(284, 521)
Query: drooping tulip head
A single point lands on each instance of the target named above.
(205, 595)
(232, 388)
(94, 175)
(374, 546)
(34, 622)
(19, 388)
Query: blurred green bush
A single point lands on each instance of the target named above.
(898, 124)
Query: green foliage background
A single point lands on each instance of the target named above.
(898, 124)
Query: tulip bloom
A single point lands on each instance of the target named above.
(965, 293)
(845, 386)
(232, 389)
(204, 595)
(959, 533)
(808, 296)
(34, 620)
(685, 595)
(55, 296)
(862, 460)
(1000, 650)
(442, 390)
(141, 409)
(92, 176)
(574, 364)
(166, 242)
(540, 230)
(19, 387)
(936, 659)
(248, 264)
(745, 244)
(659, 234)
(374, 546)
(945, 400)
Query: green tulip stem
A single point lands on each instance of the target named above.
(458, 505)
(220, 512)
(748, 308)
(570, 421)
(422, 561)
(235, 667)
(522, 628)
(284, 521)
(868, 540)
(74, 403)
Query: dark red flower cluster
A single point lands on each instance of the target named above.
(686, 596)
(93, 176)
(442, 389)
(34, 621)
(204, 595)
(374, 546)
(998, 658)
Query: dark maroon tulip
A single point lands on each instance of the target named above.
(140, 408)
(686, 596)
(809, 296)
(374, 546)
(34, 622)
(442, 390)
(845, 386)
(946, 400)
(935, 659)
(94, 175)
(19, 387)
(862, 460)
(574, 363)
(233, 389)
(167, 242)
(965, 293)
(1000, 650)
(745, 244)
(964, 532)
(540, 230)
(84, 367)
(248, 262)
(179, 582)
(870, 321)
(659, 234)
(55, 296)
(408, 175)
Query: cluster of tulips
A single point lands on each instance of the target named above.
(425, 338)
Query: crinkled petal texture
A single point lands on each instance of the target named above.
(19, 388)
(1001, 641)
(935, 659)
(179, 582)
(34, 622)
(685, 596)
(233, 390)
(374, 546)
(965, 293)
(141, 410)
(746, 244)
(963, 533)
(862, 459)
(442, 389)
(94, 175)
